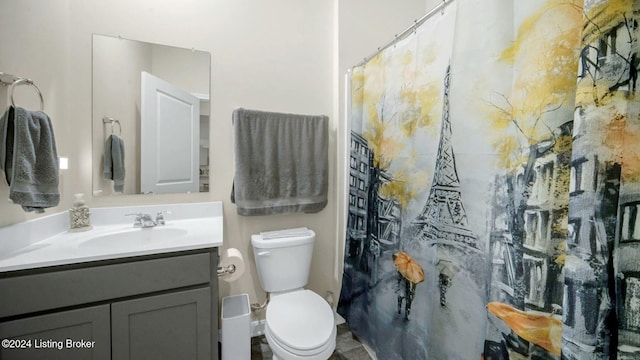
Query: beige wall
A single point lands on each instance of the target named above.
(45, 61)
(280, 55)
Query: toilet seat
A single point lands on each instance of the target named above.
(301, 323)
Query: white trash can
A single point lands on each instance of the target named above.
(236, 327)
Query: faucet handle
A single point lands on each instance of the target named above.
(160, 217)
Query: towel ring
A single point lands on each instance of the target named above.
(119, 127)
(27, 82)
(112, 121)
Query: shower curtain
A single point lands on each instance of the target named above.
(494, 185)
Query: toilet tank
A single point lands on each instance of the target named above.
(283, 258)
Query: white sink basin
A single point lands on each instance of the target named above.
(46, 242)
(135, 237)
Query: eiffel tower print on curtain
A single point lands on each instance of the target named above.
(443, 230)
(443, 219)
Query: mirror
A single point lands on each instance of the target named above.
(150, 102)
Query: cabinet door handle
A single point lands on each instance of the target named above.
(264, 253)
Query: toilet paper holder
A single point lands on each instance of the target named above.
(226, 270)
(231, 265)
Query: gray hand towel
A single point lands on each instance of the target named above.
(29, 159)
(282, 162)
(114, 162)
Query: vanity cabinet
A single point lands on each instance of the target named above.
(149, 307)
(44, 336)
(168, 326)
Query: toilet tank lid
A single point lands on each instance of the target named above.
(281, 238)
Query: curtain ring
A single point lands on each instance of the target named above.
(28, 82)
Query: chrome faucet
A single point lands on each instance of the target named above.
(143, 220)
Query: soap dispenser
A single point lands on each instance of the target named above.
(79, 215)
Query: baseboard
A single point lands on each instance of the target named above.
(257, 328)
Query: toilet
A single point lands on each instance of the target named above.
(299, 323)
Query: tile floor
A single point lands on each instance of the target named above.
(347, 347)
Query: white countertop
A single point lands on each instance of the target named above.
(46, 241)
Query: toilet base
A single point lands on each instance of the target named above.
(275, 357)
(285, 355)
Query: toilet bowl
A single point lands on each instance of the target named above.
(299, 323)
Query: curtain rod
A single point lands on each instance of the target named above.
(411, 28)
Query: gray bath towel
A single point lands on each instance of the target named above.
(29, 159)
(114, 162)
(282, 162)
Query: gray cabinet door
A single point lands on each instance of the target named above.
(66, 335)
(168, 326)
